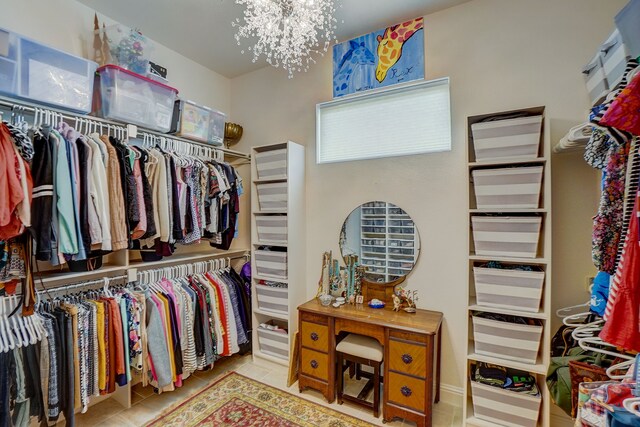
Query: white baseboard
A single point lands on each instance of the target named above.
(451, 395)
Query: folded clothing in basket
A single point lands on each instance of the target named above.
(509, 318)
(273, 284)
(505, 378)
(498, 264)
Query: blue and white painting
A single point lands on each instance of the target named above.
(382, 58)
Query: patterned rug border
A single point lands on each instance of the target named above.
(223, 376)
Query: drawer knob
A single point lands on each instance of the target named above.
(406, 358)
(406, 391)
(314, 364)
(314, 336)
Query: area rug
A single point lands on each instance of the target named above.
(238, 401)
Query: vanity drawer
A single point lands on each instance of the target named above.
(406, 391)
(315, 336)
(408, 358)
(315, 364)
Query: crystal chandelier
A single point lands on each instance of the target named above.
(288, 32)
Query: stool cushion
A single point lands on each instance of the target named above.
(361, 346)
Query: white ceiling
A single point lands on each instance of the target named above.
(201, 29)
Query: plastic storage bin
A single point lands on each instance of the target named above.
(508, 187)
(614, 58)
(197, 122)
(271, 264)
(274, 343)
(131, 98)
(272, 164)
(512, 138)
(506, 236)
(272, 229)
(595, 80)
(506, 340)
(272, 299)
(32, 70)
(272, 196)
(508, 288)
(503, 407)
(122, 46)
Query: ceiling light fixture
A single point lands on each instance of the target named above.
(288, 32)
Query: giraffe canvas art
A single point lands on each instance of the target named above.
(386, 57)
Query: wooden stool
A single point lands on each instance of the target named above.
(360, 350)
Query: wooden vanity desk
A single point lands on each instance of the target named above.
(411, 354)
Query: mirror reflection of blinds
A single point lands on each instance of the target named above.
(408, 120)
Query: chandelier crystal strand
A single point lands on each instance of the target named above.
(288, 32)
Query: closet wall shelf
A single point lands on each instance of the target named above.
(536, 261)
(275, 314)
(267, 180)
(181, 259)
(509, 162)
(279, 211)
(9, 102)
(538, 368)
(62, 276)
(474, 306)
(280, 244)
(510, 210)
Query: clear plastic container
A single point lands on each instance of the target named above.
(131, 98)
(122, 46)
(197, 122)
(32, 70)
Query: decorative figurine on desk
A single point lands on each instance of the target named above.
(405, 298)
(323, 283)
(396, 302)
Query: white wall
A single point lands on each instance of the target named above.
(68, 24)
(500, 55)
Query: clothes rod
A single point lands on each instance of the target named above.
(81, 284)
(30, 107)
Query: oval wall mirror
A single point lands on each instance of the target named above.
(384, 238)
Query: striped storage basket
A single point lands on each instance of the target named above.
(508, 187)
(506, 340)
(595, 80)
(503, 407)
(614, 58)
(515, 236)
(510, 289)
(272, 229)
(272, 299)
(272, 196)
(518, 138)
(274, 343)
(272, 164)
(627, 23)
(271, 264)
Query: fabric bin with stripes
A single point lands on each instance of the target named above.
(272, 164)
(511, 138)
(508, 187)
(272, 196)
(504, 407)
(271, 264)
(614, 58)
(272, 299)
(595, 80)
(513, 236)
(507, 288)
(506, 340)
(272, 228)
(627, 23)
(274, 343)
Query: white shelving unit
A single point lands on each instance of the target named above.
(541, 261)
(388, 240)
(294, 246)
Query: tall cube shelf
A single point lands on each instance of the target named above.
(504, 165)
(277, 246)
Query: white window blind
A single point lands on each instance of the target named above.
(402, 121)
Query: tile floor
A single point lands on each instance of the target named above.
(146, 406)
